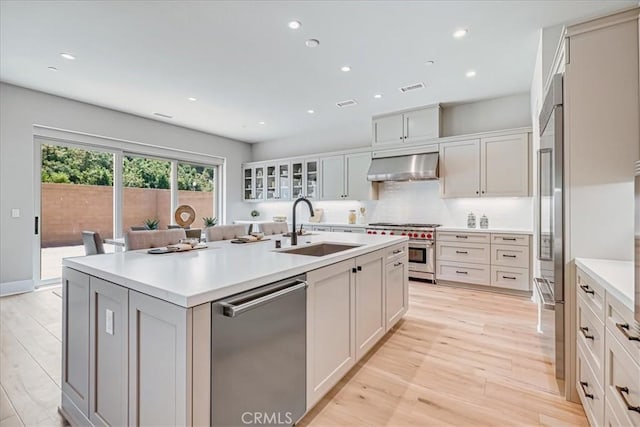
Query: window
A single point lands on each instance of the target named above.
(196, 188)
(147, 192)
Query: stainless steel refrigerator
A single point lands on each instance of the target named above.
(550, 222)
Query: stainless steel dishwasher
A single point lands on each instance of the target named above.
(258, 352)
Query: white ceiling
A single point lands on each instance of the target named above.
(244, 65)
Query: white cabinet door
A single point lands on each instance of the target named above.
(108, 354)
(422, 124)
(370, 321)
(396, 290)
(284, 181)
(388, 129)
(333, 178)
(260, 173)
(75, 339)
(247, 184)
(505, 166)
(271, 181)
(312, 180)
(357, 187)
(159, 362)
(460, 169)
(330, 325)
(297, 179)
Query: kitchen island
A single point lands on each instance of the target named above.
(139, 330)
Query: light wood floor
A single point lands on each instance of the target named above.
(460, 357)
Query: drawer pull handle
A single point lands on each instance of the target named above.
(512, 239)
(625, 390)
(397, 251)
(462, 252)
(584, 331)
(584, 386)
(508, 256)
(397, 264)
(624, 328)
(462, 272)
(461, 237)
(509, 277)
(586, 289)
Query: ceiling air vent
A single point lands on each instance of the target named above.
(411, 87)
(347, 103)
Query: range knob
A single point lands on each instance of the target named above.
(423, 235)
(391, 233)
(404, 234)
(383, 233)
(429, 236)
(375, 232)
(369, 232)
(415, 235)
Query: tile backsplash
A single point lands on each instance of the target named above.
(417, 201)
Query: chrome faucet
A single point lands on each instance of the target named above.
(294, 233)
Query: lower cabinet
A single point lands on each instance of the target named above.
(75, 339)
(350, 306)
(158, 362)
(119, 345)
(330, 327)
(108, 358)
(370, 310)
(396, 291)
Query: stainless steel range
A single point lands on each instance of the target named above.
(422, 237)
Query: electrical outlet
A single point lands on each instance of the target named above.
(15, 213)
(109, 322)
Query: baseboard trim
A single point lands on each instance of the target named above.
(17, 287)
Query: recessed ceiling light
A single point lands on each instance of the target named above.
(311, 111)
(294, 25)
(471, 73)
(312, 43)
(460, 33)
(67, 56)
(345, 68)
(191, 98)
(52, 68)
(260, 123)
(429, 62)
(377, 96)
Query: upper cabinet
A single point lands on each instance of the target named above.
(344, 177)
(486, 167)
(254, 183)
(407, 127)
(305, 178)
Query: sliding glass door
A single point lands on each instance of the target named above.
(76, 194)
(197, 188)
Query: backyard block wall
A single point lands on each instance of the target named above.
(68, 209)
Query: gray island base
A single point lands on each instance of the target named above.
(150, 339)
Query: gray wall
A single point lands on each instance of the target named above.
(486, 115)
(506, 112)
(22, 108)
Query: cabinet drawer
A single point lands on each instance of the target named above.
(590, 393)
(510, 239)
(592, 293)
(510, 278)
(452, 236)
(396, 252)
(622, 381)
(510, 256)
(613, 416)
(462, 252)
(620, 321)
(460, 272)
(590, 334)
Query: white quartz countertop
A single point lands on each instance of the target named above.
(615, 276)
(222, 269)
(334, 224)
(484, 230)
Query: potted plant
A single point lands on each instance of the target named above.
(209, 221)
(151, 223)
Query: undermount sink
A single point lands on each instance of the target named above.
(319, 249)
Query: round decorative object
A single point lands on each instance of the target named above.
(185, 215)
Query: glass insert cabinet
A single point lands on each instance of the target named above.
(282, 180)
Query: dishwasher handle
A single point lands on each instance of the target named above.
(231, 310)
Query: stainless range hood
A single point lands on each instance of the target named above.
(415, 167)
